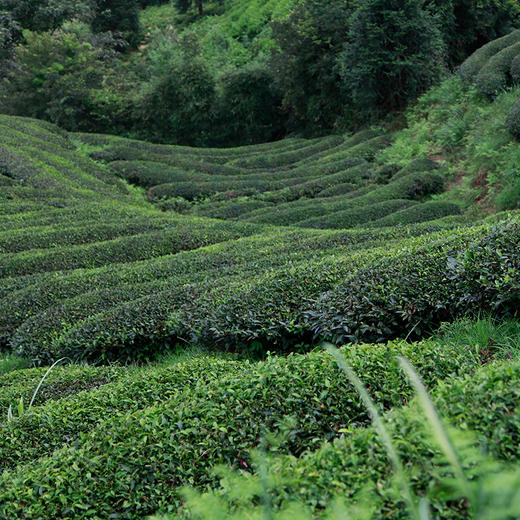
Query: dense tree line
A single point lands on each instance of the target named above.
(333, 64)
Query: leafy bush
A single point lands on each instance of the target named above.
(52, 76)
(418, 213)
(223, 417)
(358, 216)
(414, 292)
(355, 468)
(513, 120)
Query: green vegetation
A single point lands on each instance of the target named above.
(164, 308)
(232, 72)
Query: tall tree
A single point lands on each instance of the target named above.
(118, 17)
(394, 53)
(304, 63)
(184, 5)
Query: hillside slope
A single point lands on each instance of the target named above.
(115, 251)
(90, 271)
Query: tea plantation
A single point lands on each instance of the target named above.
(187, 294)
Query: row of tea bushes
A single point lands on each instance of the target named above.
(169, 428)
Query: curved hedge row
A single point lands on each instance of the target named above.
(513, 120)
(214, 420)
(373, 295)
(413, 186)
(62, 382)
(474, 64)
(357, 216)
(265, 160)
(187, 234)
(16, 241)
(495, 75)
(415, 291)
(432, 210)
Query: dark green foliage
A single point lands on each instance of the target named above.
(249, 109)
(10, 34)
(358, 216)
(51, 78)
(177, 105)
(467, 25)
(117, 16)
(515, 70)
(184, 5)
(46, 15)
(494, 76)
(470, 69)
(417, 291)
(513, 120)
(393, 55)
(304, 64)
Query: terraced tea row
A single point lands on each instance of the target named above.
(329, 182)
(106, 276)
(170, 426)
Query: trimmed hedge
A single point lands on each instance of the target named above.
(25, 297)
(230, 209)
(413, 186)
(414, 291)
(47, 237)
(515, 70)
(62, 382)
(215, 420)
(473, 65)
(424, 212)
(366, 150)
(371, 295)
(495, 74)
(422, 164)
(357, 216)
(266, 160)
(187, 234)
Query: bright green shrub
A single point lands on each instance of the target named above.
(357, 462)
(79, 412)
(494, 76)
(61, 382)
(222, 418)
